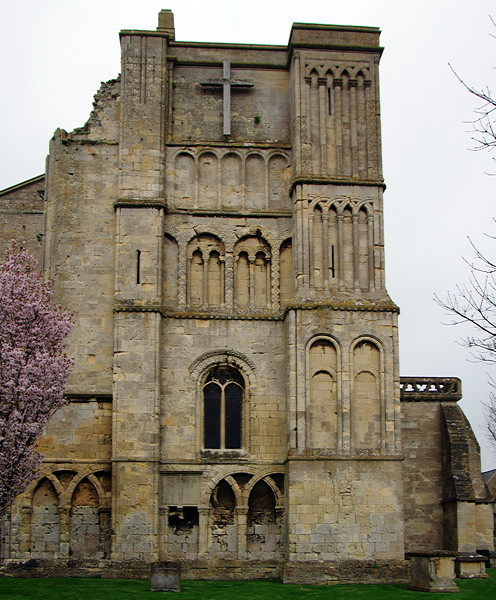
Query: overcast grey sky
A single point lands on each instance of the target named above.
(55, 53)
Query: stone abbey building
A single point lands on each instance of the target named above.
(217, 228)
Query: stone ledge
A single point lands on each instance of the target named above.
(221, 570)
(345, 571)
(431, 554)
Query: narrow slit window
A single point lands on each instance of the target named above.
(329, 101)
(333, 270)
(138, 266)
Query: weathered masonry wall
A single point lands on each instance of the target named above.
(22, 216)
(216, 227)
(446, 500)
(355, 510)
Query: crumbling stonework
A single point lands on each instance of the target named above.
(216, 227)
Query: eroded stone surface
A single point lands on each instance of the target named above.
(235, 400)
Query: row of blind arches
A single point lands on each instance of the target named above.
(342, 246)
(324, 404)
(244, 278)
(69, 515)
(340, 124)
(213, 179)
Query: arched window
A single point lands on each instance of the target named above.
(223, 393)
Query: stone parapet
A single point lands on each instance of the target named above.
(430, 389)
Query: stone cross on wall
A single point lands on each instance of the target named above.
(226, 83)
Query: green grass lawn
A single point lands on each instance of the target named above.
(122, 589)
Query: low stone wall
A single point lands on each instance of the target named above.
(293, 572)
(222, 570)
(345, 571)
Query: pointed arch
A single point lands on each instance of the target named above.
(318, 245)
(263, 526)
(223, 395)
(84, 534)
(45, 520)
(222, 521)
(363, 247)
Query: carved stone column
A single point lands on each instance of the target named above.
(163, 532)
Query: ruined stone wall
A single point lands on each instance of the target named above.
(224, 510)
(22, 217)
(79, 241)
(64, 514)
(80, 430)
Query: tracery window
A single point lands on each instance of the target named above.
(223, 393)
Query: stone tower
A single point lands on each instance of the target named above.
(217, 228)
(344, 458)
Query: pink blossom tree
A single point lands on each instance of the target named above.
(33, 368)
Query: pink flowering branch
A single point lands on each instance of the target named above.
(33, 368)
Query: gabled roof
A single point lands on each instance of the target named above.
(488, 475)
(26, 183)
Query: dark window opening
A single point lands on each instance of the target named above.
(222, 408)
(138, 266)
(329, 101)
(212, 401)
(234, 396)
(183, 519)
